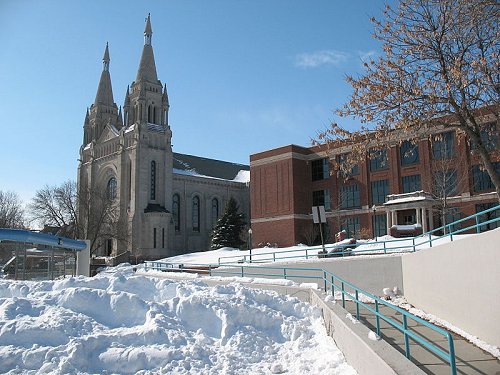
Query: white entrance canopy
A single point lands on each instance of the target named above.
(420, 201)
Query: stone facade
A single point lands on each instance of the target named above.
(160, 209)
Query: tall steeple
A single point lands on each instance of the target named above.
(104, 91)
(147, 66)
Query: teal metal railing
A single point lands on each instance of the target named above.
(484, 219)
(332, 284)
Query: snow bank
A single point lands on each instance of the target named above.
(121, 322)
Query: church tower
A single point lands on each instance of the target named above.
(129, 162)
(146, 116)
(136, 197)
(104, 110)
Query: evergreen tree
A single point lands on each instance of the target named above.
(229, 227)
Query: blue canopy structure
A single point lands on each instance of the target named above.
(41, 256)
(26, 236)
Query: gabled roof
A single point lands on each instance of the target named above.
(208, 167)
(109, 132)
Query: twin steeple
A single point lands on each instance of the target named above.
(147, 67)
(105, 91)
(146, 101)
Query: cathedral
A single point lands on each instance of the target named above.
(135, 194)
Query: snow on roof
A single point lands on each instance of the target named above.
(209, 168)
(242, 176)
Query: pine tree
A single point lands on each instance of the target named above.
(229, 227)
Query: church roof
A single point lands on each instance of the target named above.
(147, 66)
(208, 167)
(104, 90)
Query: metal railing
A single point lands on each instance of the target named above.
(332, 284)
(419, 242)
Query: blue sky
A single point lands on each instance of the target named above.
(243, 76)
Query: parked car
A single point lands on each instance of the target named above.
(342, 248)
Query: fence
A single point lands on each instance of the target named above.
(478, 222)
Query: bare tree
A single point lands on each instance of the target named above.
(89, 214)
(447, 176)
(99, 218)
(56, 206)
(11, 210)
(440, 65)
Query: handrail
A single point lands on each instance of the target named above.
(376, 246)
(333, 283)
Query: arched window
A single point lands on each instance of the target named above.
(153, 180)
(196, 214)
(111, 188)
(150, 114)
(215, 211)
(154, 115)
(176, 211)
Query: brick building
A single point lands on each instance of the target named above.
(405, 183)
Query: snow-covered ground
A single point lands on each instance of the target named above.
(300, 252)
(121, 322)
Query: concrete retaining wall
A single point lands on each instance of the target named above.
(372, 274)
(459, 282)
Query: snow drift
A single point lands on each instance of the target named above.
(120, 322)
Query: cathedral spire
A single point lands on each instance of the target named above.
(147, 66)
(148, 31)
(105, 59)
(104, 91)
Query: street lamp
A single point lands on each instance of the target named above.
(374, 209)
(250, 242)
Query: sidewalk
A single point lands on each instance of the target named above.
(469, 358)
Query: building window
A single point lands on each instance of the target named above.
(196, 214)
(380, 190)
(489, 136)
(488, 216)
(319, 169)
(150, 114)
(176, 201)
(154, 238)
(451, 215)
(411, 183)
(378, 160)
(380, 225)
(111, 188)
(481, 179)
(351, 226)
(109, 247)
(345, 171)
(445, 183)
(408, 153)
(349, 196)
(162, 238)
(442, 145)
(153, 180)
(215, 212)
(321, 198)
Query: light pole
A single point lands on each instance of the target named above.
(374, 209)
(250, 242)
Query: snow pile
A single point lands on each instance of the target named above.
(121, 322)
